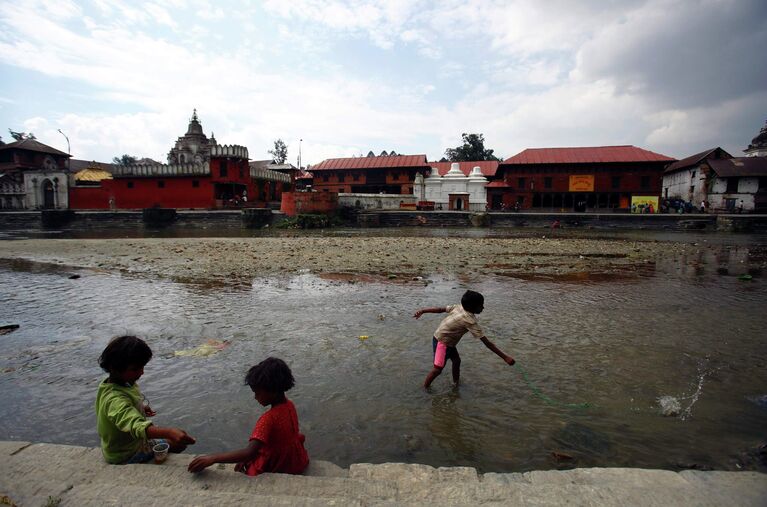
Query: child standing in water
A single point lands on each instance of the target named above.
(275, 444)
(127, 436)
(461, 319)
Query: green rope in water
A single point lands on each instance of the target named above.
(546, 398)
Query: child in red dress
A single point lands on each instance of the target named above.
(275, 445)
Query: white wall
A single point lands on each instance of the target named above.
(33, 186)
(678, 185)
(375, 201)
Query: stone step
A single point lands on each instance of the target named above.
(110, 494)
(29, 474)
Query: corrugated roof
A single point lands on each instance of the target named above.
(372, 162)
(32, 145)
(92, 174)
(586, 155)
(498, 184)
(304, 176)
(693, 160)
(487, 167)
(739, 166)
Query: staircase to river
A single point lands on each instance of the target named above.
(49, 474)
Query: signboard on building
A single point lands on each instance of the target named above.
(644, 204)
(581, 183)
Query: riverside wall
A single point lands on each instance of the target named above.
(76, 220)
(62, 475)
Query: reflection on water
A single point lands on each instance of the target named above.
(683, 329)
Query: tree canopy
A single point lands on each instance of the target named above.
(124, 160)
(473, 148)
(280, 152)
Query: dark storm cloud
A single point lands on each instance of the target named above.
(684, 54)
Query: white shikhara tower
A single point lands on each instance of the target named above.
(453, 191)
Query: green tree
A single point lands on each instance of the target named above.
(473, 149)
(280, 152)
(124, 160)
(20, 136)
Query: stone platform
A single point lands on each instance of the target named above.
(50, 474)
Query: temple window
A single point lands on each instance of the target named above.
(129, 184)
(160, 184)
(195, 183)
(547, 182)
(645, 182)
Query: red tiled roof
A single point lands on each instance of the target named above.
(586, 155)
(487, 167)
(694, 160)
(304, 176)
(372, 162)
(497, 184)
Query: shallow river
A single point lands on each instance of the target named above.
(687, 329)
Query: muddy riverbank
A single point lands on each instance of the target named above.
(402, 258)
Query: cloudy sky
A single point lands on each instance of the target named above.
(349, 76)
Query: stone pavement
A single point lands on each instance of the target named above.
(49, 474)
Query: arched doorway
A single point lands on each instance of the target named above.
(459, 204)
(48, 195)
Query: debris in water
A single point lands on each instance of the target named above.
(74, 277)
(562, 456)
(8, 328)
(363, 337)
(745, 277)
(206, 349)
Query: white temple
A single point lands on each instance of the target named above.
(453, 191)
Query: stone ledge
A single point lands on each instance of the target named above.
(30, 474)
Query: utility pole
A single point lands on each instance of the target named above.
(299, 154)
(69, 152)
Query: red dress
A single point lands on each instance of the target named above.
(283, 446)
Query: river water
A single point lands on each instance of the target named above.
(686, 329)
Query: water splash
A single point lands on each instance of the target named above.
(672, 405)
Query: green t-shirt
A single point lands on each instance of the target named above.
(120, 421)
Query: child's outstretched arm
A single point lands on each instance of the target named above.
(248, 453)
(420, 312)
(509, 360)
(176, 437)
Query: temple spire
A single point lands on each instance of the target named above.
(194, 115)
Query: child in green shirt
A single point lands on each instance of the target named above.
(127, 436)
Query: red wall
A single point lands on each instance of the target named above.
(88, 198)
(177, 193)
(294, 203)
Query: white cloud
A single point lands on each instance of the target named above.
(534, 74)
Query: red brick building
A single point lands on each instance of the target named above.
(201, 174)
(576, 179)
(388, 174)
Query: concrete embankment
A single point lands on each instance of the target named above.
(49, 474)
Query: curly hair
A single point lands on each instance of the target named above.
(123, 352)
(271, 374)
(472, 300)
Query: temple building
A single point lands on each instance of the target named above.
(201, 174)
(758, 146)
(455, 191)
(192, 147)
(383, 174)
(33, 176)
